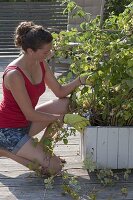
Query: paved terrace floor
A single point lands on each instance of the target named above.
(19, 183)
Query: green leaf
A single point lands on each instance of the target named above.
(130, 63)
(124, 191)
(65, 140)
(84, 90)
(129, 83)
(130, 71)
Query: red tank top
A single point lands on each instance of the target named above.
(11, 115)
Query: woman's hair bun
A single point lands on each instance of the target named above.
(22, 29)
(29, 35)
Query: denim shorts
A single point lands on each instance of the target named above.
(12, 139)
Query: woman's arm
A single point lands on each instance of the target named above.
(59, 90)
(15, 83)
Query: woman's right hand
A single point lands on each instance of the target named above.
(85, 79)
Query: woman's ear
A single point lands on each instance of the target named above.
(30, 51)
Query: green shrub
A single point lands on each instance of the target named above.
(107, 56)
(115, 6)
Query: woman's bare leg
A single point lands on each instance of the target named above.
(58, 106)
(50, 163)
(14, 157)
(23, 161)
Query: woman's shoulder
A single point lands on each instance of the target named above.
(12, 67)
(12, 77)
(12, 73)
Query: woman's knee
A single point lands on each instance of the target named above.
(67, 99)
(66, 102)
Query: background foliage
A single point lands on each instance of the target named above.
(106, 55)
(116, 6)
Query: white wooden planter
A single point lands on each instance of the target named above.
(111, 147)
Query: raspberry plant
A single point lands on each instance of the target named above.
(107, 56)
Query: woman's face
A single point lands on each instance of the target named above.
(43, 52)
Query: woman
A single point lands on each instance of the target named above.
(24, 82)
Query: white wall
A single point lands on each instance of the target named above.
(90, 6)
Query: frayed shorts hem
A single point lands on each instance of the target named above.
(12, 139)
(21, 143)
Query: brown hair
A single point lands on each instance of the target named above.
(30, 35)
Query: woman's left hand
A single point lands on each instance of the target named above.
(85, 79)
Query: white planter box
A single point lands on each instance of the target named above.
(111, 147)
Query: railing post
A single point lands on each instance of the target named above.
(101, 13)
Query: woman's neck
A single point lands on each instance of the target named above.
(27, 62)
